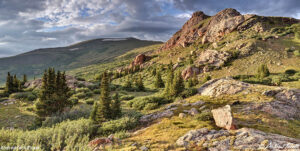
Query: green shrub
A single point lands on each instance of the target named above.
(151, 106)
(140, 103)
(204, 116)
(89, 101)
(68, 135)
(297, 53)
(75, 113)
(93, 87)
(80, 95)
(96, 91)
(122, 124)
(276, 81)
(84, 90)
(30, 108)
(127, 97)
(290, 71)
(189, 92)
(28, 96)
(122, 135)
(74, 100)
(262, 71)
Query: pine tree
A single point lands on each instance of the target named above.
(177, 86)
(94, 112)
(159, 83)
(262, 71)
(54, 94)
(15, 84)
(9, 84)
(116, 107)
(128, 84)
(103, 111)
(24, 79)
(169, 82)
(140, 84)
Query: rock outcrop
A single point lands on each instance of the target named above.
(212, 29)
(223, 117)
(223, 86)
(241, 139)
(213, 58)
(189, 72)
(139, 60)
(188, 33)
(157, 115)
(72, 83)
(286, 104)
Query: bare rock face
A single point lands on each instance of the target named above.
(139, 60)
(286, 104)
(213, 58)
(72, 83)
(189, 72)
(223, 117)
(223, 86)
(241, 139)
(187, 34)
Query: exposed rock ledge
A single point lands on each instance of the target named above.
(241, 139)
(223, 86)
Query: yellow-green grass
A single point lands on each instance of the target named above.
(16, 116)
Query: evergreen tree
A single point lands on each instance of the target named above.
(140, 84)
(154, 71)
(169, 82)
(94, 112)
(128, 84)
(24, 79)
(116, 106)
(54, 96)
(159, 83)
(190, 83)
(262, 71)
(9, 84)
(177, 86)
(103, 110)
(15, 84)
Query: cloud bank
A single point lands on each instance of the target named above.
(30, 24)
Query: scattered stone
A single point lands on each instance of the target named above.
(186, 104)
(144, 148)
(215, 45)
(198, 103)
(271, 92)
(240, 139)
(193, 111)
(202, 107)
(223, 117)
(180, 59)
(175, 66)
(154, 116)
(171, 106)
(182, 115)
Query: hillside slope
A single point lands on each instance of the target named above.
(73, 56)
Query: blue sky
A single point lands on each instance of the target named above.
(30, 24)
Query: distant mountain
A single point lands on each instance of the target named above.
(73, 56)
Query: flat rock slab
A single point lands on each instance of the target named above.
(241, 139)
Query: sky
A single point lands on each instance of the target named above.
(31, 24)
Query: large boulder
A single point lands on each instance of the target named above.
(223, 86)
(241, 139)
(139, 60)
(223, 117)
(213, 58)
(189, 72)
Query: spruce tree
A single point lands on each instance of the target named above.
(15, 84)
(24, 79)
(54, 94)
(128, 84)
(140, 84)
(169, 82)
(94, 112)
(159, 83)
(9, 84)
(103, 111)
(177, 85)
(262, 71)
(116, 107)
